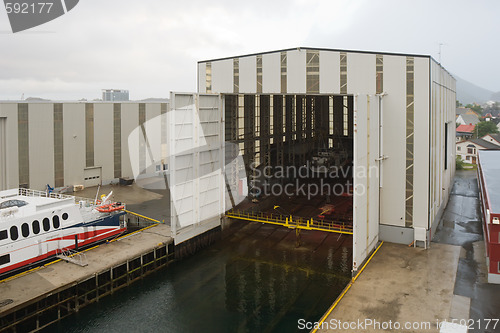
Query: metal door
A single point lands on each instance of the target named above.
(92, 176)
(365, 176)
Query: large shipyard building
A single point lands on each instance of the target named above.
(389, 115)
(69, 143)
(391, 112)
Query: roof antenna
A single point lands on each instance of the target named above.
(439, 53)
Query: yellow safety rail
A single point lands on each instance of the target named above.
(142, 216)
(346, 289)
(292, 223)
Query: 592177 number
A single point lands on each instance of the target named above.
(27, 8)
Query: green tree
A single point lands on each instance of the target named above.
(485, 127)
(475, 107)
(459, 163)
(459, 104)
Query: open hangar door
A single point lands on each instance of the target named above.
(366, 176)
(192, 152)
(196, 164)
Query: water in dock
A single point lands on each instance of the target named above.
(254, 280)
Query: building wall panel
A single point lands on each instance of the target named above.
(74, 142)
(248, 75)
(202, 87)
(103, 140)
(329, 72)
(443, 97)
(421, 144)
(130, 121)
(296, 72)
(271, 73)
(9, 111)
(153, 111)
(361, 73)
(41, 145)
(222, 76)
(392, 210)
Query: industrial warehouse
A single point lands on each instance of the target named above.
(285, 108)
(354, 144)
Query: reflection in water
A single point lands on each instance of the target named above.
(252, 281)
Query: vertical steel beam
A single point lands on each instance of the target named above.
(265, 113)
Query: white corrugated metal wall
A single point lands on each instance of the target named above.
(41, 140)
(366, 177)
(443, 104)
(361, 79)
(196, 160)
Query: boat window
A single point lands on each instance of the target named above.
(5, 259)
(56, 222)
(25, 229)
(3, 235)
(36, 226)
(14, 234)
(65, 216)
(12, 203)
(46, 224)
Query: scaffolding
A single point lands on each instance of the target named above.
(284, 130)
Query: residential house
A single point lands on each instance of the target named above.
(462, 110)
(488, 117)
(493, 138)
(467, 118)
(467, 150)
(464, 132)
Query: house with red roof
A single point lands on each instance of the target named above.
(464, 132)
(488, 116)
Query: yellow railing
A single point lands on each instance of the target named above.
(142, 216)
(292, 222)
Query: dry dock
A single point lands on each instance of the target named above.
(43, 296)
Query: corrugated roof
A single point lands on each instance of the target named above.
(470, 118)
(489, 161)
(484, 143)
(321, 49)
(461, 111)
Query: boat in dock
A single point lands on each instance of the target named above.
(36, 225)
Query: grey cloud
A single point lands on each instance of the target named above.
(151, 47)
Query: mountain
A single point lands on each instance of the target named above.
(156, 99)
(468, 93)
(36, 99)
(496, 97)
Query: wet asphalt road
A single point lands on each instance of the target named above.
(461, 225)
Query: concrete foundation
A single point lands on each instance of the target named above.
(394, 234)
(39, 298)
(402, 284)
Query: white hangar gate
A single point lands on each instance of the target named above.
(196, 166)
(366, 176)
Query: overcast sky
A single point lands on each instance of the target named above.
(151, 47)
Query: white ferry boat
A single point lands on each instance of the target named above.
(35, 225)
